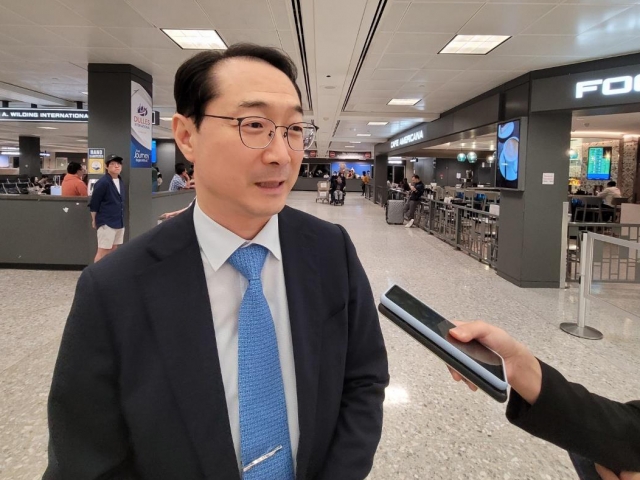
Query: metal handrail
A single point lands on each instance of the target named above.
(580, 329)
(573, 235)
(472, 231)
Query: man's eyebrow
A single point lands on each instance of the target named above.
(263, 104)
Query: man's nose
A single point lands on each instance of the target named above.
(278, 150)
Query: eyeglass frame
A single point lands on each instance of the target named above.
(241, 119)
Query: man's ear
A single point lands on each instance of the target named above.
(183, 133)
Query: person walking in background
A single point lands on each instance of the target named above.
(107, 208)
(417, 189)
(365, 182)
(72, 185)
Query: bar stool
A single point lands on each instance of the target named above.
(590, 206)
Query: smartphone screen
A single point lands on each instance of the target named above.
(440, 325)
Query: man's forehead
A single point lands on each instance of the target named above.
(246, 78)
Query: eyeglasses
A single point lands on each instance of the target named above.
(259, 132)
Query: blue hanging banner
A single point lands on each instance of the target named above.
(141, 125)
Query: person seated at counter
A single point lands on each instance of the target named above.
(180, 180)
(72, 185)
(612, 191)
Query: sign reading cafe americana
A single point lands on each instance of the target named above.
(407, 139)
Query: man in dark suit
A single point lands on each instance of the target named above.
(545, 404)
(223, 343)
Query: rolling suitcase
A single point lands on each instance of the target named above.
(395, 213)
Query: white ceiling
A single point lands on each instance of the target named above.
(45, 46)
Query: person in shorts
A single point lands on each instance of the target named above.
(107, 208)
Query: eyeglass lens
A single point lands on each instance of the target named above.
(257, 132)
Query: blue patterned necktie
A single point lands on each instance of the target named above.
(264, 430)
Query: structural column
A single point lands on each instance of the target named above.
(530, 236)
(29, 156)
(120, 121)
(380, 179)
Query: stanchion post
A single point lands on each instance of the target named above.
(580, 329)
(564, 245)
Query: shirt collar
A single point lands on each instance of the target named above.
(219, 243)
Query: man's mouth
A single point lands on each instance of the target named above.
(270, 184)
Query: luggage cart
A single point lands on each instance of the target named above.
(323, 191)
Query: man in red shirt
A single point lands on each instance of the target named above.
(72, 185)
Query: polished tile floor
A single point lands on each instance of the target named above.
(434, 428)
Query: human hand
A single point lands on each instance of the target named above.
(523, 370)
(607, 474)
(93, 224)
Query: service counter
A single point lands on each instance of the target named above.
(306, 184)
(50, 232)
(164, 202)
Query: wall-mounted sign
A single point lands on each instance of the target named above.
(408, 139)
(43, 115)
(350, 155)
(141, 122)
(96, 161)
(609, 86)
(600, 88)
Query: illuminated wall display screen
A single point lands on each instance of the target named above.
(599, 163)
(508, 161)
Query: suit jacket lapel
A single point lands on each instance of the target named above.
(305, 307)
(183, 326)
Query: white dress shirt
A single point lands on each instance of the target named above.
(226, 288)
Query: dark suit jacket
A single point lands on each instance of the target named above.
(137, 391)
(108, 203)
(568, 415)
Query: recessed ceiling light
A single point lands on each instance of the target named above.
(355, 142)
(84, 93)
(363, 135)
(474, 44)
(80, 140)
(196, 39)
(378, 123)
(349, 146)
(48, 128)
(595, 133)
(404, 101)
(166, 119)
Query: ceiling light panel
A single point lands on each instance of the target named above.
(404, 101)
(377, 123)
(196, 39)
(474, 44)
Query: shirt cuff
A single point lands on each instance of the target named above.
(520, 412)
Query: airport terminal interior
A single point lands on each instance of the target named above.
(519, 119)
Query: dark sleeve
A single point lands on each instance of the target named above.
(420, 189)
(96, 198)
(88, 437)
(359, 426)
(569, 416)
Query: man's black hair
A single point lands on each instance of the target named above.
(194, 85)
(73, 168)
(417, 177)
(611, 184)
(180, 168)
